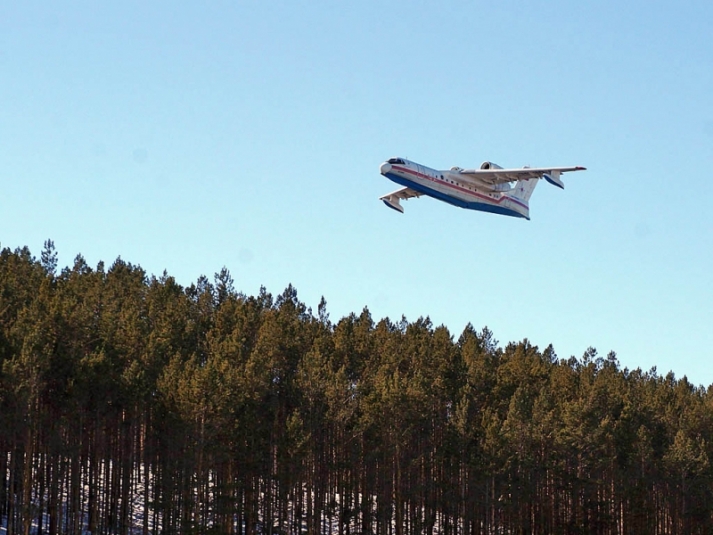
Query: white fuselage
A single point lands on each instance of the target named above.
(455, 188)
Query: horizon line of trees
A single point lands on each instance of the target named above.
(131, 404)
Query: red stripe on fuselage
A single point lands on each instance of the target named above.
(460, 188)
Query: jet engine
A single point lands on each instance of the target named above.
(489, 165)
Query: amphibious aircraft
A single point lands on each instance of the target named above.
(489, 188)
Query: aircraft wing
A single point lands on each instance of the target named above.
(392, 199)
(403, 193)
(500, 176)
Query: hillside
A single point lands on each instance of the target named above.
(129, 403)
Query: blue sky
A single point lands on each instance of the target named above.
(249, 135)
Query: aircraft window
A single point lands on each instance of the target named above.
(396, 160)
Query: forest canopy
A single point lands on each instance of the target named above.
(131, 404)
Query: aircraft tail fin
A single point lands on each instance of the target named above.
(523, 189)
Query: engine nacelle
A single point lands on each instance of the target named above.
(489, 165)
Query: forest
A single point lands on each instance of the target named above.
(132, 404)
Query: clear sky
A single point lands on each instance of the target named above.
(249, 135)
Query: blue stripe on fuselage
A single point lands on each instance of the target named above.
(468, 205)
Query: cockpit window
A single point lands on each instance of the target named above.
(396, 160)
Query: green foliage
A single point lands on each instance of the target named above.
(212, 411)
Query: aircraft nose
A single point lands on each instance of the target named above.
(385, 168)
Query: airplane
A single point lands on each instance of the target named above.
(488, 189)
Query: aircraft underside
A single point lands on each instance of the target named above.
(457, 200)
